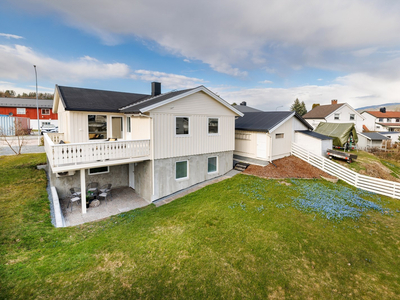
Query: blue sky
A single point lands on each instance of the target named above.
(267, 53)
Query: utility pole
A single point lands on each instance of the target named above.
(37, 106)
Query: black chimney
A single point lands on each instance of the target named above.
(155, 88)
(382, 109)
(243, 103)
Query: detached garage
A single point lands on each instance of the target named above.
(261, 137)
(367, 140)
(314, 142)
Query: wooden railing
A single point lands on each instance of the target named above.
(55, 137)
(60, 155)
(371, 184)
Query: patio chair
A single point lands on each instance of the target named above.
(75, 192)
(75, 197)
(93, 188)
(104, 195)
(106, 188)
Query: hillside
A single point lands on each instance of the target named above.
(389, 106)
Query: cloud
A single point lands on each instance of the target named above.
(11, 36)
(17, 64)
(171, 81)
(266, 81)
(233, 37)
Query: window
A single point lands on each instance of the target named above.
(182, 125)
(212, 125)
(21, 111)
(212, 164)
(397, 120)
(128, 124)
(181, 171)
(242, 136)
(97, 125)
(380, 119)
(45, 111)
(352, 117)
(99, 170)
(279, 135)
(388, 120)
(337, 116)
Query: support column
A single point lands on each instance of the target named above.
(83, 191)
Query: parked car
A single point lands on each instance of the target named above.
(46, 128)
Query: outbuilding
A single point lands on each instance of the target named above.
(312, 141)
(367, 140)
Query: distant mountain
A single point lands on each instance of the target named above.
(389, 106)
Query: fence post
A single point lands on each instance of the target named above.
(323, 164)
(356, 181)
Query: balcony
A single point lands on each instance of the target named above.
(74, 156)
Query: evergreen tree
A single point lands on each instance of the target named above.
(298, 107)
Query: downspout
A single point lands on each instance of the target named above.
(270, 147)
(152, 153)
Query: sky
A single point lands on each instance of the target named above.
(264, 52)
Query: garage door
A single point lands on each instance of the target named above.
(261, 145)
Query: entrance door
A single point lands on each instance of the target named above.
(261, 145)
(116, 127)
(132, 175)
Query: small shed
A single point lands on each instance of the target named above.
(9, 125)
(392, 135)
(344, 134)
(368, 140)
(313, 141)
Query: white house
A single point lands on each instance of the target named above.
(335, 113)
(368, 140)
(381, 120)
(157, 144)
(266, 136)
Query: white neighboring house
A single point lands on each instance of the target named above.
(392, 135)
(367, 140)
(266, 136)
(334, 113)
(381, 120)
(157, 144)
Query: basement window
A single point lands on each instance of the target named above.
(212, 164)
(99, 170)
(279, 135)
(181, 169)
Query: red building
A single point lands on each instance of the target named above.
(21, 107)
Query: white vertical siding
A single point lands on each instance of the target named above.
(282, 147)
(167, 144)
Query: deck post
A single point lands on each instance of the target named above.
(83, 191)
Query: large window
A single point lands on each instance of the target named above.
(21, 111)
(182, 125)
(212, 125)
(181, 169)
(97, 127)
(212, 164)
(45, 111)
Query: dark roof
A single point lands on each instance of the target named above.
(136, 107)
(245, 108)
(264, 121)
(79, 99)
(375, 136)
(315, 134)
(322, 111)
(25, 102)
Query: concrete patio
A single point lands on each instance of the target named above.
(123, 199)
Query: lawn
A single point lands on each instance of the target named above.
(244, 237)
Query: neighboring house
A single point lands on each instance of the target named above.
(22, 107)
(244, 108)
(313, 141)
(335, 113)
(266, 136)
(392, 135)
(163, 142)
(368, 140)
(382, 120)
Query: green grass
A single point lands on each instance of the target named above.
(240, 238)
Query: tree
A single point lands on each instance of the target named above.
(315, 105)
(298, 107)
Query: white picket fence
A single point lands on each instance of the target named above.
(371, 184)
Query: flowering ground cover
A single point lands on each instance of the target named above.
(245, 237)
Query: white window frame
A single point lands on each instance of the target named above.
(187, 170)
(208, 126)
(216, 165)
(20, 109)
(46, 110)
(336, 116)
(182, 134)
(279, 135)
(96, 173)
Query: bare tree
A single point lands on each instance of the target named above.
(16, 141)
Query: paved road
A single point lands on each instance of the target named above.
(5, 150)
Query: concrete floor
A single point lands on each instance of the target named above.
(123, 199)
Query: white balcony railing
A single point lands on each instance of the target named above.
(64, 155)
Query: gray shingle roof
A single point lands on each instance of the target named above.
(375, 136)
(25, 102)
(315, 135)
(245, 108)
(264, 121)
